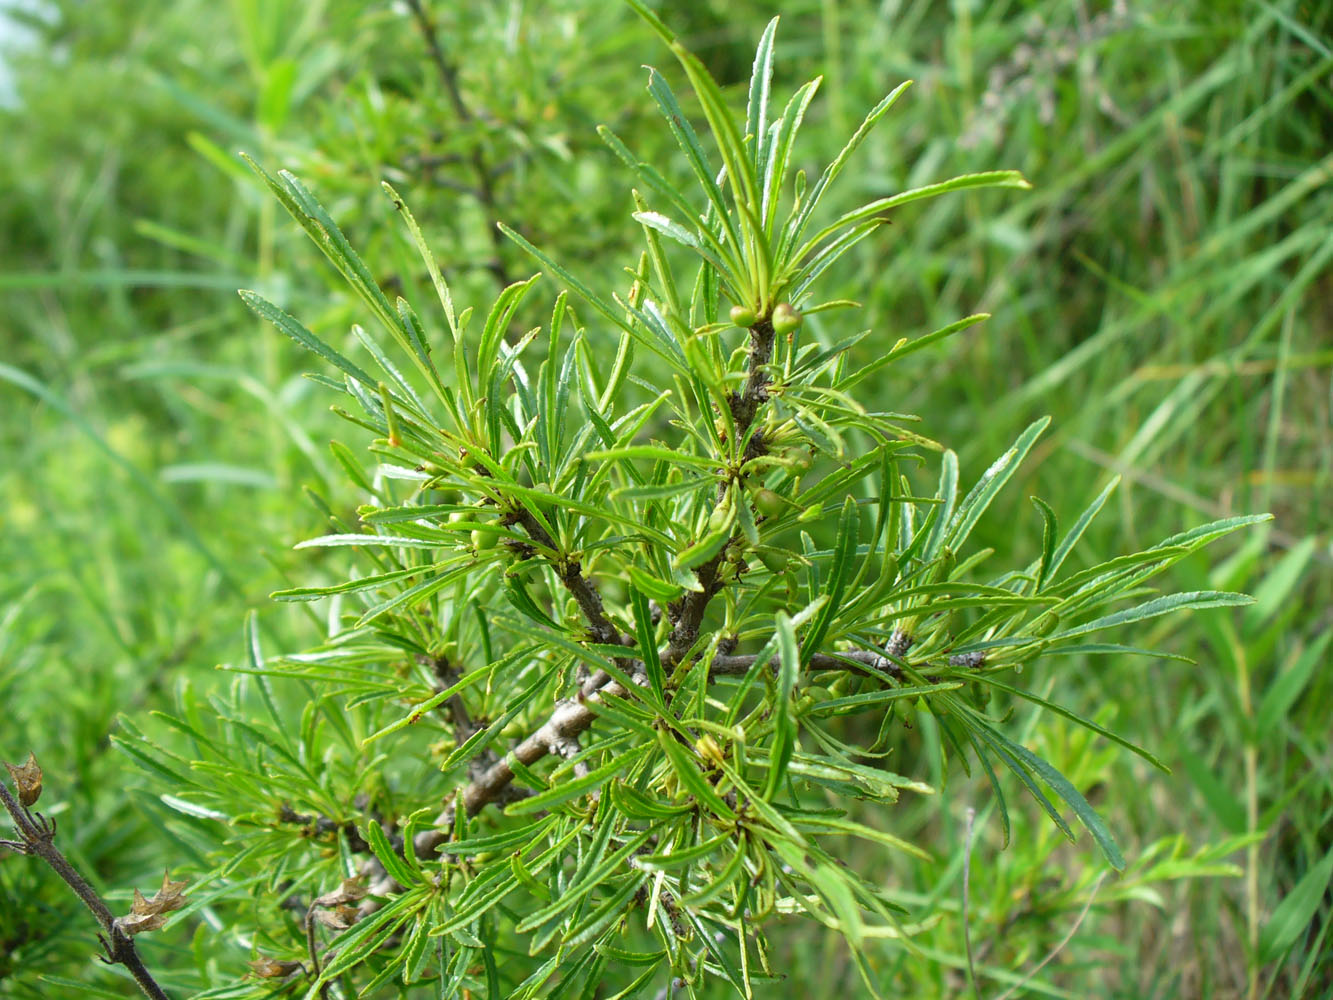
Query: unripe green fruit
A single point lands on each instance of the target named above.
(743, 316)
(483, 541)
(785, 318)
(775, 562)
(769, 503)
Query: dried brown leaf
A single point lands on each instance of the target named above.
(27, 779)
(271, 968)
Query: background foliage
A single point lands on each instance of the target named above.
(1163, 293)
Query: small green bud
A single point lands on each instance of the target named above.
(785, 318)
(743, 316)
(707, 749)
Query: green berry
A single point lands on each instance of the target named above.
(785, 318)
(720, 519)
(743, 316)
(484, 541)
(769, 503)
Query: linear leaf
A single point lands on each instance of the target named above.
(784, 725)
(988, 178)
(1076, 532)
(1063, 787)
(292, 327)
(840, 569)
(388, 857)
(1160, 606)
(990, 484)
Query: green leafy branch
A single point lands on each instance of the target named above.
(641, 579)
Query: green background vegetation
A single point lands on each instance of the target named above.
(1165, 292)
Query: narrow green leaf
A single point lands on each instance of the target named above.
(840, 570)
(947, 492)
(874, 699)
(1050, 524)
(734, 868)
(426, 588)
(1063, 787)
(1076, 532)
(1113, 649)
(394, 865)
(572, 788)
(990, 484)
(347, 587)
(661, 591)
(647, 639)
(608, 865)
(832, 824)
(906, 347)
(292, 327)
(609, 311)
(1160, 606)
(784, 725)
(796, 226)
(604, 916)
(1206, 533)
(761, 76)
(431, 703)
(686, 768)
(876, 209)
(702, 550)
(992, 681)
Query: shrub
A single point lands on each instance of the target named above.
(637, 602)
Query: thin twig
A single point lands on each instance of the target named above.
(38, 839)
(485, 187)
(600, 628)
(730, 666)
(312, 948)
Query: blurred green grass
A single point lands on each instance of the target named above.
(1165, 292)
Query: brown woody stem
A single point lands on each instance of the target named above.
(38, 839)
